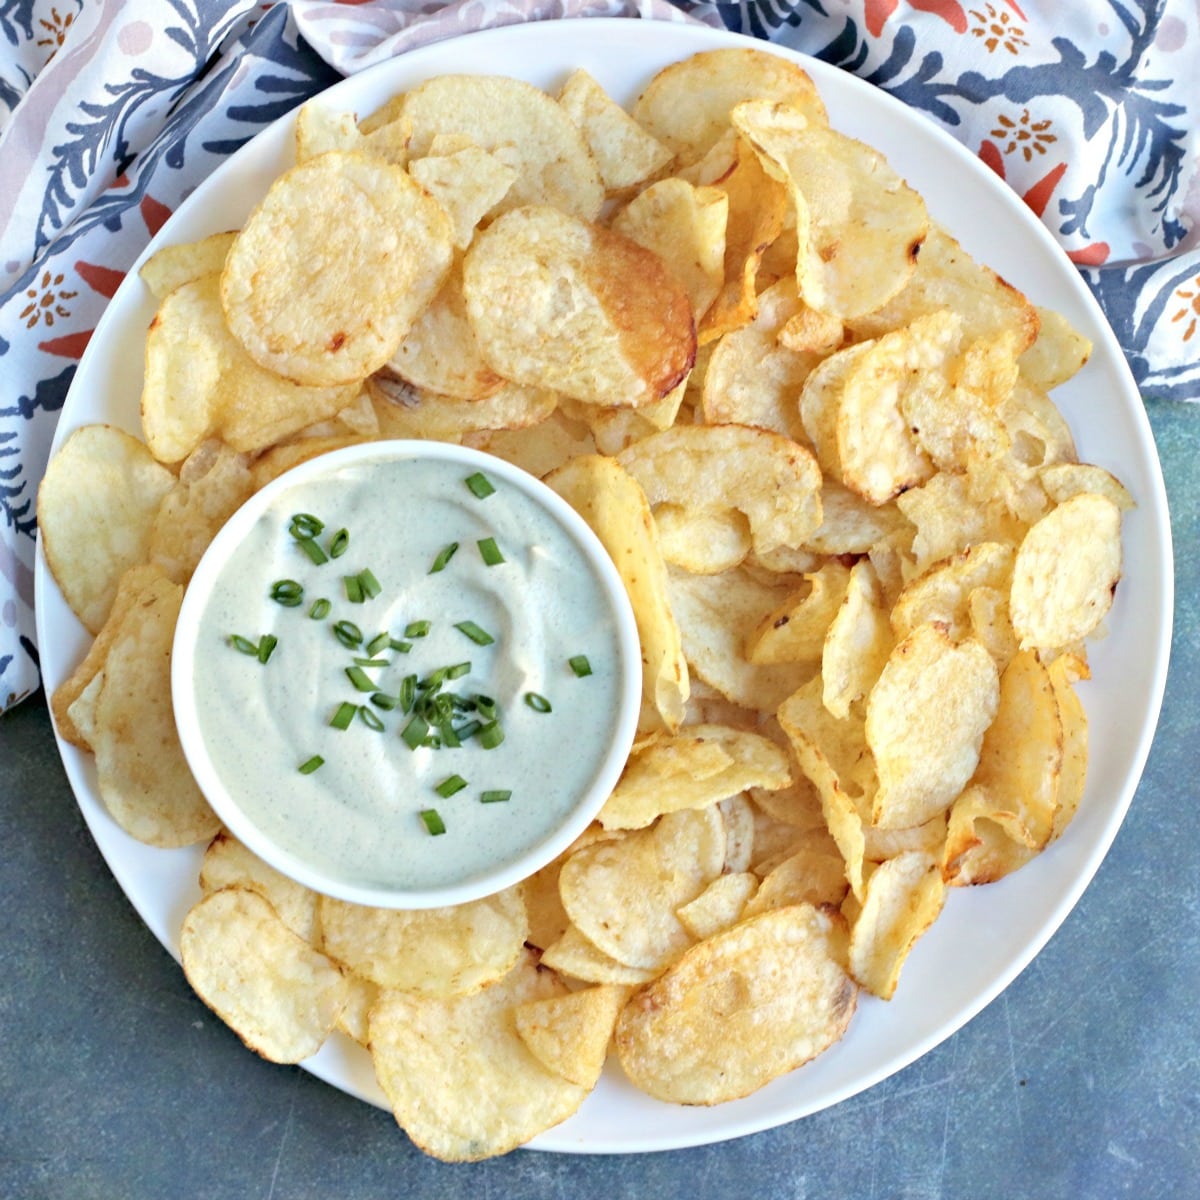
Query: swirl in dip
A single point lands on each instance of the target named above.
(388, 719)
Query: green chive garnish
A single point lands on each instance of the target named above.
(490, 736)
(469, 730)
(496, 797)
(320, 609)
(371, 662)
(414, 732)
(243, 645)
(369, 584)
(399, 646)
(287, 592)
(408, 693)
(354, 588)
(266, 645)
(490, 552)
(479, 636)
(537, 702)
(480, 485)
(344, 715)
(384, 701)
(415, 629)
(305, 525)
(458, 670)
(339, 543)
(361, 680)
(450, 785)
(444, 556)
(348, 634)
(382, 641)
(369, 719)
(314, 552)
(433, 821)
(310, 765)
(580, 665)
(487, 708)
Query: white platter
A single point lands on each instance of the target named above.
(986, 936)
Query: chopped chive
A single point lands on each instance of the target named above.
(399, 646)
(468, 730)
(266, 646)
(414, 733)
(361, 680)
(369, 719)
(314, 552)
(320, 609)
(458, 670)
(415, 629)
(479, 636)
(344, 715)
(433, 821)
(310, 765)
(487, 708)
(450, 785)
(444, 556)
(449, 738)
(305, 525)
(496, 797)
(433, 680)
(580, 665)
(537, 702)
(490, 552)
(243, 645)
(408, 693)
(339, 543)
(490, 736)
(384, 701)
(480, 485)
(348, 634)
(369, 584)
(287, 592)
(354, 588)
(371, 662)
(381, 641)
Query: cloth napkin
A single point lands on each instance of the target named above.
(111, 112)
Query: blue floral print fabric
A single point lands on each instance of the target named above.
(110, 113)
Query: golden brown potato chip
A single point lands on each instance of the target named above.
(1066, 571)
(719, 906)
(1064, 480)
(574, 956)
(904, 897)
(813, 873)
(622, 895)
(948, 520)
(406, 412)
(703, 542)
(569, 1034)
(624, 152)
(556, 302)
(320, 129)
(366, 250)
(355, 1017)
(925, 721)
(821, 402)
(1075, 745)
(522, 126)
(739, 1009)
(284, 999)
(942, 593)
(460, 1079)
(173, 266)
(467, 182)
(796, 630)
(142, 775)
(433, 951)
(687, 104)
(95, 509)
(977, 849)
(857, 643)
(609, 499)
(1058, 353)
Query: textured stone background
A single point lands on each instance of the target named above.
(1080, 1081)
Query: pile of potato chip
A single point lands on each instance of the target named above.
(816, 438)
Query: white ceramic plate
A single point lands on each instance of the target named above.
(985, 936)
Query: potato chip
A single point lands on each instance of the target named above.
(611, 502)
(1021, 759)
(698, 766)
(1064, 480)
(977, 849)
(142, 775)
(173, 266)
(685, 226)
(882, 844)
(574, 956)
(1057, 354)
(558, 303)
(739, 1009)
(813, 873)
(434, 951)
(738, 817)
(1066, 570)
(948, 521)
(569, 1034)
(624, 152)
(468, 182)
(228, 863)
(320, 129)
(904, 896)
(941, 594)
(857, 643)
(79, 716)
(367, 250)
(406, 412)
(925, 722)
(521, 124)
(538, 449)
(355, 1017)
(687, 104)
(704, 542)
(795, 631)
(821, 400)
(808, 331)
(622, 895)
(774, 482)
(719, 906)
(460, 1079)
(95, 509)
(1073, 717)
(283, 1002)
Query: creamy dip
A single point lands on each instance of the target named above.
(361, 805)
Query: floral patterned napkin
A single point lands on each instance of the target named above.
(111, 112)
